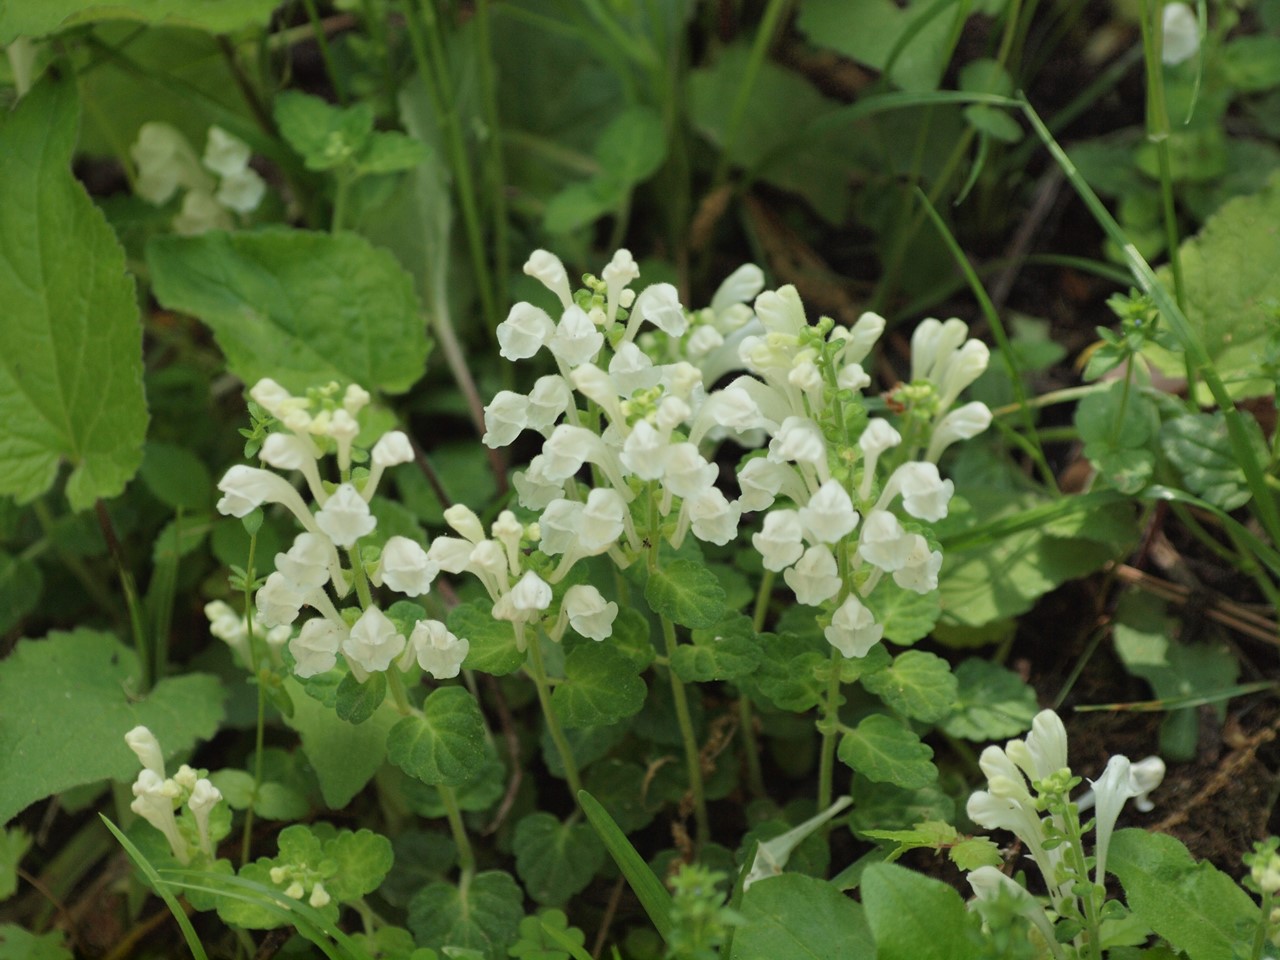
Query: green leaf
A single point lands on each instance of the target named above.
(1116, 426)
(800, 918)
(789, 670)
(87, 683)
(914, 917)
(1252, 64)
(50, 16)
(686, 593)
(363, 860)
(344, 757)
(994, 122)
(725, 652)
(1196, 907)
(325, 136)
(976, 852)
(178, 478)
(869, 31)
(356, 701)
(446, 744)
(492, 642)
(633, 146)
(555, 860)
(17, 943)
(389, 151)
(579, 204)
(601, 687)
(918, 685)
(883, 750)
(71, 377)
(653, 896)
(1199, 446)
(13, 847)
(992, 703)
(620, 788)
(20, 586)
(485, 916)
(303, 308)
(882, 806)
(1231, 274)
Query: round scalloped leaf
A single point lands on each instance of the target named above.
(918, 685)
(600, 688)
(444, 746)
(486, 917)
(885, 751)
(992, 703)
(686, 593)
(555, 860)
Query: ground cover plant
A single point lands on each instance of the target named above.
(645, 479)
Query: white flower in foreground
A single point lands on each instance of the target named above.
(153, 799)
(990, 886)
(852, 377)
(659, 303)
(306, 565)
(246, 488)
(779, 541)
(450, 554)
(530, 595)
(546, 267)
(437, 651)
(547, 402)
(962, 423)
(525, 331)
(853, 629)
(644, 451)
(1181, 34)
(800, 440)
(588, 612)
(405, 567)
(224, 153)
(1044, 751)
(884, 543)
(920, 573)
(315, 648)
(345, 517)
(714, 518)
(373, 641)
(686, 472)
(576, 339)
(814, 577)
(933, 344)
(925, 495)
(278, 601)
(505, 418)
(147, 749)
(204, 796)
(829, 515)
(601, 520)
(559, 525)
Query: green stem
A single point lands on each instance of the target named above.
(137, 617)
(1264, 924)
(341, 187)
(494, 170)
(399, 696)
(90, 584)
(466, 856)
(246, 833)
(692, 754)
(317, 28)
(358, 575)
(1084, 888)
(750, 749)
(830, 727)
(538, 673)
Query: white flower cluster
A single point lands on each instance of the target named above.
(367, 639)
(156, 797)
(218, 184)
(1015, 775)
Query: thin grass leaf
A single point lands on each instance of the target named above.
(162, 888)
(1198, 359)
(1264, 551)
(653, 896)
(1181, 703)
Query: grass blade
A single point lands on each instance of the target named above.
(648, 888)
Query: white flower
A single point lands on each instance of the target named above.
(465, 522)
(619, 272)
(925, 494)
(1044, 752)
(781, 311)
(315, 648)
(345, 517)
(246, 488)
(962, 423)
(373, 641)
(760, 481)
(278, 601)
(780, 540)
(306, 565)
(225, 154)
(548, 400)
(739, 287)
(504, 418)
(862, 337)
(534, 488)
(644, 451)
(852, 377)
(601, 519)
(153, 798)
(632, 369)
(965, 366)
(715, 519)
(288, 451)
(530, 595)
(165, 162)
(877, 437)
(685, 472)
(525, 331)
(147, 749)
(229, 627)
(659, 303)
(450, 554)
(437, 651)
(598, 386)
(829, 515)
(1181, 34)
(546, 266)
(932, 346)
(355, 398)
(1112, 789)
(800, 440)
(204, 796)
(702, 341)
(588, 612)
(884, 543)
(576, 338)
(200, 213)
(392, 449)
(405, 567)
(853, 629)
(990, 886)
(241, 191)
(559, 526)
(566, 450)
(319, 896)
(814, 577)
(921, 570)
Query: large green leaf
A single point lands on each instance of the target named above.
(1231, 275)
(918, 685)
(446, 744)
(484, 915)
(1196, 907)
(344, 756)
(70, 698)
(71, 340)
(1200, 447)
(555, 860)
(992, 703)
(800, 918)
(914, 917)
(303, 308)
(601, 687)
(686, 593)
(883, 750)
(23, 18)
